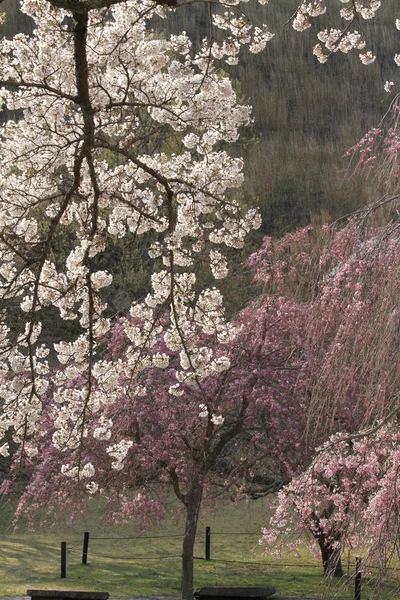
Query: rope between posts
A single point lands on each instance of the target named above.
(74, 546)
(227, 561)
(132, 558)
(155, 537)
(138, 537)
(258, 533)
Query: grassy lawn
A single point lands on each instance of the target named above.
(149, 563)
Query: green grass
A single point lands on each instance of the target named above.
(150, 563)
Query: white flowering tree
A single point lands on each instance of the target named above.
(73, 161)
(92, 88)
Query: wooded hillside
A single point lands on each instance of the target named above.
(306, 115)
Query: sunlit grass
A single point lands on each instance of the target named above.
(148, 563)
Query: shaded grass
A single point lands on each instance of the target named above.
(148, 563)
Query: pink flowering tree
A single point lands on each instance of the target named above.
(208, 431)
(352, 385)
(348, 497)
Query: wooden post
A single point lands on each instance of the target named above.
(208, 543)
(63, 560)
(85, 547)
(357, 586)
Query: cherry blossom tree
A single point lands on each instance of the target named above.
(74, 162)
(352, 382)
(92, 87)
(348, 497)
(215, 431)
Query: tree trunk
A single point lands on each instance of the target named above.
(331, 560)
(331, 556)
(192, 503)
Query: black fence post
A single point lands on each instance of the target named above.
(63, 560)
(357, 587)
(85, 547)
(208, 543)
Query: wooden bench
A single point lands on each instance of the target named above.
(66, 595)
(248, 592)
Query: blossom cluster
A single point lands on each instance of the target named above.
(343, 39)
